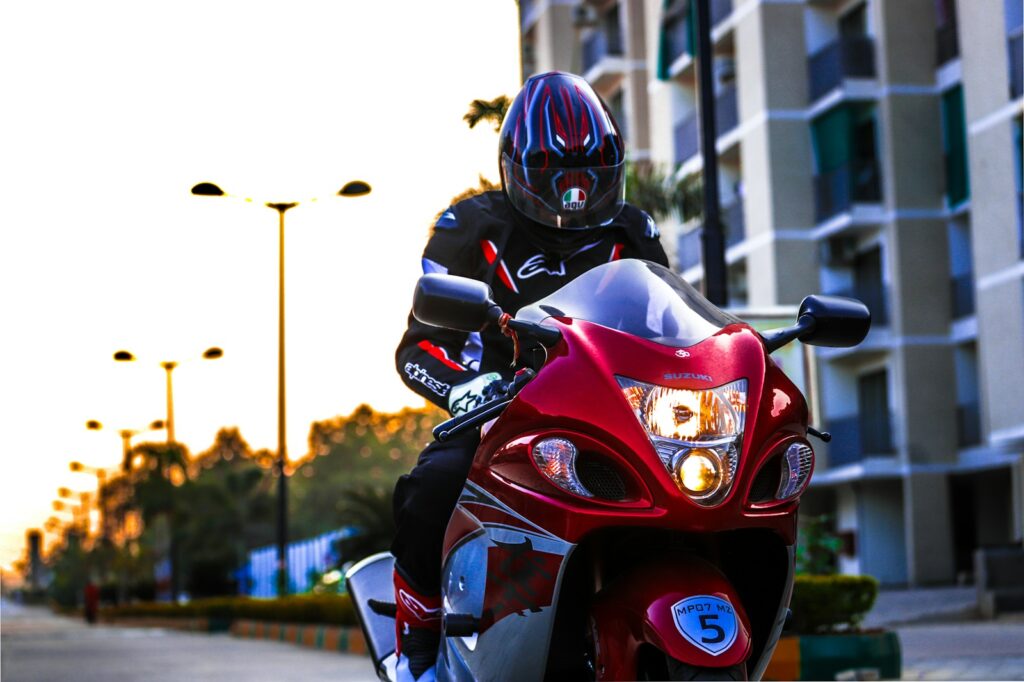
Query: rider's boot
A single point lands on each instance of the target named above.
(417, 632)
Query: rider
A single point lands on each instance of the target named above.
(561, 212)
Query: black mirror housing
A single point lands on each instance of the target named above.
(451, 302)
(838, 322)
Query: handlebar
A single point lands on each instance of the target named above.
(456, 425)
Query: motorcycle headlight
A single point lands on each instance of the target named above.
(696, 433)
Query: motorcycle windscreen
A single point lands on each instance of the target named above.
(637, 297)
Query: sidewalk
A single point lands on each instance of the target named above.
(943, 638)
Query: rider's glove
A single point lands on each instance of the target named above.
(472, 394)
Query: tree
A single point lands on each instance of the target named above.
(483, 110)
(364, 450)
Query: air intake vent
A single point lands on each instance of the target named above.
(767, 481)
(600, 478)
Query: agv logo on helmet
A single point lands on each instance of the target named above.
(574, 199)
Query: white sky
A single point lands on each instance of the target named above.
(113, 110)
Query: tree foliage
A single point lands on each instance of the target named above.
(492, 111)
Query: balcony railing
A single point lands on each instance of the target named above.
(853, 438)
(687, 138)
(687, 131)
(838, 189)
(691, 246)
(852, 57)
(689, 249)
(962, 290)
(677, 37)
(1016, 48)
(600, 44)
(726, 111)
(720, 9)
(968, 424)
(947, 45)
(735, 227)
(875, 297)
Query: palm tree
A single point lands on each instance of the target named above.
(483, 110)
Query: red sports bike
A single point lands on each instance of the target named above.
(631, 510)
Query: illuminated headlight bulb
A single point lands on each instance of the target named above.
(698, 472)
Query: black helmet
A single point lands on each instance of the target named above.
(562, 158)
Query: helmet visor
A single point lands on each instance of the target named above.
(567, 198)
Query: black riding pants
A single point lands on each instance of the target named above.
(424, 501)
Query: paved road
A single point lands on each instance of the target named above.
(964, 650)
(35, 645)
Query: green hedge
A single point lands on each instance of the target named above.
(831, 603)
(328, 609)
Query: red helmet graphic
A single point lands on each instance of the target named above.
(562, 158)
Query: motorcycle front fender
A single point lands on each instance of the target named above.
(683, 606)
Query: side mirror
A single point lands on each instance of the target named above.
(824, 321)
(838, 322)
(459, 303)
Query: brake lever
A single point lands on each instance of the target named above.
(489, 410)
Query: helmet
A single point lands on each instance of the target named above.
(561, 155)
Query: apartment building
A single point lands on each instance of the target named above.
(869, 148)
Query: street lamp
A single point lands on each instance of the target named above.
(126, 445)
(355, 188)
(211, 353)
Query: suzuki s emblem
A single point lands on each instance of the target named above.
(574, 199)
(682, 353)
(709, 623)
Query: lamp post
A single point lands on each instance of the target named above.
(355, 188)
(211, 353)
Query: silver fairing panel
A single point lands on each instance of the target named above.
(509, 570)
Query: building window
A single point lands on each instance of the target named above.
(954, 146)
(845, 153)
(873, 404)
(868, 286)
(947, 46)
(851, 55)
(1018, 152)
(1014, 14)
(678, 35)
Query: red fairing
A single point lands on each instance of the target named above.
(576, 395)
(638, 609)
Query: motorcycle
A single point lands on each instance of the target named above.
(631, 511)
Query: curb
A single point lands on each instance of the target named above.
(347, 640)
(827, 657)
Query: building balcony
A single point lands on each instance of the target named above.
(853, 182)
(720, 9)
(686, 138)
(874, 297)
(840, 59)
(727, 115)
(947, 45)
(853, 439)
(968, 424)
(691, 245)
(600, 45)
(676, 37)
(962, 295)
(1016, 48)
(687, 131)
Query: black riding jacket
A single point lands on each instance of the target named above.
(483, 238)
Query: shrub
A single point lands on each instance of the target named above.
(831, 603)
(326, 609)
